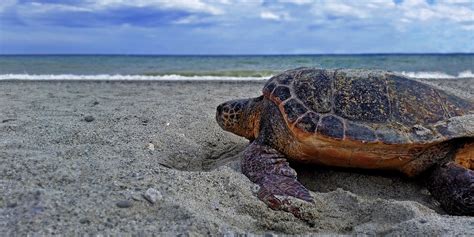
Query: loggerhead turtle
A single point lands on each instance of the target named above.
(354, 118)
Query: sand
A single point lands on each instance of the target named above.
(77, 157)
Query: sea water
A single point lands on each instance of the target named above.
(221, 67)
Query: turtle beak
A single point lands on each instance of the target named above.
(219, 109)
(219, 116)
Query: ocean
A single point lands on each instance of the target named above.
(221, 67)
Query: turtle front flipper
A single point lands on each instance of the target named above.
(269, 169)
(453, 186)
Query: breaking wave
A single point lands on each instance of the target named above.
(198, 76)
(440, 75)
(118, 77)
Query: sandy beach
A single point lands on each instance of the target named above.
(79, 156)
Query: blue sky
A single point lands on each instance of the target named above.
(236, 27)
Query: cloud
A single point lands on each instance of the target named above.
(341, 10)
(275, 16)
(87, 13)
(398, 14)
(269, 15)
(254, 25)
(195, 6)
(456, 11)
(407, 11)
(299, 2)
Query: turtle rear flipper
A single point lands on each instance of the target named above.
(453, 186)
(269, 169)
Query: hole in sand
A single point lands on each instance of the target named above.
(210, 157)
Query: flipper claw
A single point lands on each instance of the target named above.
(269, 169)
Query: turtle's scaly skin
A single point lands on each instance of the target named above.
(363, 119)
(354, 118)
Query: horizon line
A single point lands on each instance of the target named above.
(289, 54)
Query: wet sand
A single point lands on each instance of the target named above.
(77, 157)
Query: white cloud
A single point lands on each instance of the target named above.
(38, 8)
(345, 10)
(414, 11)
(269, 15)
(324, 13)
(196, 6)
(275, 16)
(297, 2)
(315, 25)
(407, 12)
(187, 5)
(352, 10)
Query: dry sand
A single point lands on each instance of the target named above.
(60, 174)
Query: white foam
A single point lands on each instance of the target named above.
(440, 75)
(174, 77)
(119, 77)
(465, 74)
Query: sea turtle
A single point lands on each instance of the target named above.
(355, 118)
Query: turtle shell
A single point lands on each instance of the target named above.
(368, 106)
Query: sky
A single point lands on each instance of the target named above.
(235, 27)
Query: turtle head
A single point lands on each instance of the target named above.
(241, 117)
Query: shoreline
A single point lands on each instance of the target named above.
(63, 174)
(135, 81)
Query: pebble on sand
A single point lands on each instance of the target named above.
(150, 146)
(88, 118)
(152, 195)
(124, 204)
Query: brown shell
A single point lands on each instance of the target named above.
(366, 106)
